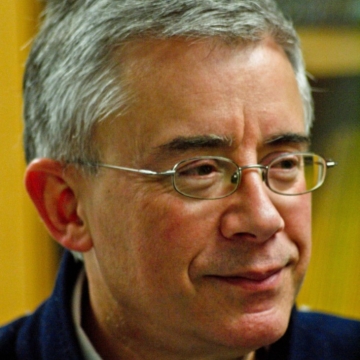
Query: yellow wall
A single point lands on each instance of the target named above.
(331, 51)
(27, 256)
(333, 280)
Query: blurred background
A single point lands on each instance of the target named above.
(330, 34)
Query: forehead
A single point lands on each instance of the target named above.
(190, 89)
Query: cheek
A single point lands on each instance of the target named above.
(179, 228)
(143, 225)
(163, 239)
(174, 234)
(297, 217)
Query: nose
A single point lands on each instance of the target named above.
(261, 169)
(252, 211)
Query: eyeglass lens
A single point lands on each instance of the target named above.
(216, 177)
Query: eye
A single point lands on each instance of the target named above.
(287, 170)
(198, 168)
(286, 163)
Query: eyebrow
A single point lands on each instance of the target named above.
(211, 141)
(288, 138)
(183, 143)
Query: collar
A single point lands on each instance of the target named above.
(87, 349)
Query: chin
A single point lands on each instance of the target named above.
(248, 335)
(258, 329)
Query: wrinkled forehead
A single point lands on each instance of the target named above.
(176, 64)
(141, 57)
(183, 88)
(181, 60)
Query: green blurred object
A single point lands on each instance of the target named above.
(322, 12)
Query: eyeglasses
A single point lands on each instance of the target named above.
(214, 177)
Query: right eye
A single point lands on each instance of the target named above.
(205, 177)
(198, 168)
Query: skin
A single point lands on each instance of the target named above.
(171, 277)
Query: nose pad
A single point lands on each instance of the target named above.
(236, 176)
(263, 174)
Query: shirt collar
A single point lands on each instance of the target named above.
(87, 349)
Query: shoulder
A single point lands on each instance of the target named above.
(8, 339)
(324, 325)
(49, 332)
(331, 337)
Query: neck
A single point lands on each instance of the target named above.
(122, 344)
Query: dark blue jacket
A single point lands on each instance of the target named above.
(48, 334)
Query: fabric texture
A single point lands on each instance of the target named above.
(48, 333)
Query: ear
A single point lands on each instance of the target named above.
(57, 204)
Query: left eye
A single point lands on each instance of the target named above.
(286, 163)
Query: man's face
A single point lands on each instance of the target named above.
(187, 275)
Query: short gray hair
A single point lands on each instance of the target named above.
(72, 80)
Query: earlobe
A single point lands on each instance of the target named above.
(57, 204)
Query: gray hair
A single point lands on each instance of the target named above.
(72, 80)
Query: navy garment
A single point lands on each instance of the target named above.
(48, 334)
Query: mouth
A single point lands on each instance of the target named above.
(254, 281)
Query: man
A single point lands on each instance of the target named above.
(167, 144)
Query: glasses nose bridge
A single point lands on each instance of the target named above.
(261, 169)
